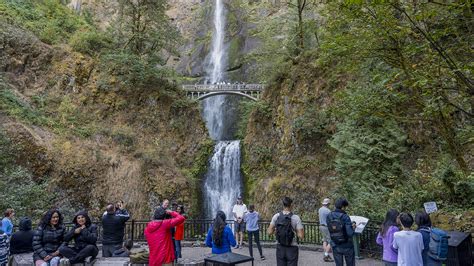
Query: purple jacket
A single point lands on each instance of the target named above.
(389, 253)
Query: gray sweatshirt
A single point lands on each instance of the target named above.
(251, 219)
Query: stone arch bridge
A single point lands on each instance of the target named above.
(201, 92)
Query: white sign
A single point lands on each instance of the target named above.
(361, 222)
(430, 207)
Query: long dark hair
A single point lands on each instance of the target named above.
(218, 228)
(182, 209)
(390, 219)
(46, 220)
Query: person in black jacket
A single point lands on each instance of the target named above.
(113, 225)
(341, 231)
(21, 241)
(48, 238)
(84, 234)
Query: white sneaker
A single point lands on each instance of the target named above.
(64, 262)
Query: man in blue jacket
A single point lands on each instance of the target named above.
(341, 231)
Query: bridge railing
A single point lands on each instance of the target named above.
(196, 229)
(217, 87)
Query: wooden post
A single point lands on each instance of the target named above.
(133, 230)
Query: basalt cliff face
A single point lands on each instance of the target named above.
(93, 146)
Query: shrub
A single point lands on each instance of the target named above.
(18, 190)
(123, 70)
(89, 41)
(51, 21)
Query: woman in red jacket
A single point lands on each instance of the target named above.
(158, 236)
(179, 233)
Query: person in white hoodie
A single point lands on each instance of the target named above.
(251, 220)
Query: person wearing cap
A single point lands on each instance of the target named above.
(239, 210)
(323, 214)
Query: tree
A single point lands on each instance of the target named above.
(425, 48)
(144, 29)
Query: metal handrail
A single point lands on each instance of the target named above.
(196, 230)
(224, 87)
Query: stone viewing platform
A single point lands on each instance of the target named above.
(193, 256)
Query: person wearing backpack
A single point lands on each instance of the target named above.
(284, 224)
(409, 243)
(423, 221)
(341, 231)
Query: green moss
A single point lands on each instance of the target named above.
(51, 21)
(235, 57)
(10, 104)
(197, 172)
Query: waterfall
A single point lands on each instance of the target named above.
(76, 5)
(223, 182)
(218, 49)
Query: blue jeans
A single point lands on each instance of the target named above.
(177, 249)
(52, 262)
(341, 253)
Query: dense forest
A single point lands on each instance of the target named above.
(371, 101)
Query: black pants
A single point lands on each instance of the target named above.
(256, 235)
(347, 253)
(287, 256)
(108, 250)
(79, 255)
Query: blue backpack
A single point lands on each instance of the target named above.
(438, 244)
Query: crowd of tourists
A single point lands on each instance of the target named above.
(51, 242)
(401, 244)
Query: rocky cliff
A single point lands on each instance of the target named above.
(94, 146)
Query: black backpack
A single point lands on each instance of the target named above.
(284, 231)
(336, 228)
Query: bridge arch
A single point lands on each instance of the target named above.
(210, 94)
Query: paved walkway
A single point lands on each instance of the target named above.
(306, 257)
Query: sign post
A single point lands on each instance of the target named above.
(430, 207)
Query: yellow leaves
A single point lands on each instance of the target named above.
(66, 146)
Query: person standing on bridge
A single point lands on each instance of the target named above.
(284, 224)
(239, 210)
